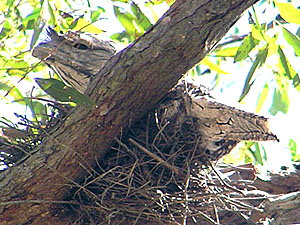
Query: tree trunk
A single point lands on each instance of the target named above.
(129, 85)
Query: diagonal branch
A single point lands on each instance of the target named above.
(129, 85)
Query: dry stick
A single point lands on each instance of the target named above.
(225, 183)
(216, 213)
(163, 162)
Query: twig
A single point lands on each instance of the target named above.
(163, 162)
(224, 183)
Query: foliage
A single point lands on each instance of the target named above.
(266, 42)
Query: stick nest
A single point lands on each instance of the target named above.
(158, 172)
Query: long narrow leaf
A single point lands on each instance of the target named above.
(141, 20)
(262, 98)
(58, 90)
(285, 68)
(126, 19)
(293, 40)
(260, 59)
(284, 63)
(243, 51)
(288, 12)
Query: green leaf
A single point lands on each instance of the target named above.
(284, 63)
(38, 110)
(260, 59)
(95, 14)
(262, 98)
(243, 51)
(4, 86)
(293, 149)
(52, 15)
(32, 16)
(122, 37)
(198, 69)
(273, 46)
(212, 66)
(286, 69)
(126, 19)
(85, 26)
(141, 20)
(6, 29)
(257, 154)
(288, 12)
(59, 91)
(16, 94)
(280, 102)
(226, 52)
(293, 40)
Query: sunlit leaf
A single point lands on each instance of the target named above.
(198, 69)
(122, 37)
(288, 12)
(286, 69)
(126, 19)
(212, 66)
(155, 16)
(280, 102)
(227, 52)
(293, 40)
(85, 26)
(262, 98)
(58, 90)
(260, 59)
(17, 95)
(257, 153)
(52, 14)
(273, 46)
(6, 28)
(248, 44)
(4, 86)
(32, 16)
(141, 20)
(284, 63)
(257, 33)
(95, 14)
(293, 149)
(20, 64)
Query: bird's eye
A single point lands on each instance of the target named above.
(81, 46)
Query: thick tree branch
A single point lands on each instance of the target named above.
(130, 84)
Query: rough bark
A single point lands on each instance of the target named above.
(130, 84)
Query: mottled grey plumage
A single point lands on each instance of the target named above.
(220, 127)
(76, 57)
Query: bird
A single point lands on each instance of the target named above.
(76, 57)
(219, 127)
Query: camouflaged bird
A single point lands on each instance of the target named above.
(75, 56)
(220, 127)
